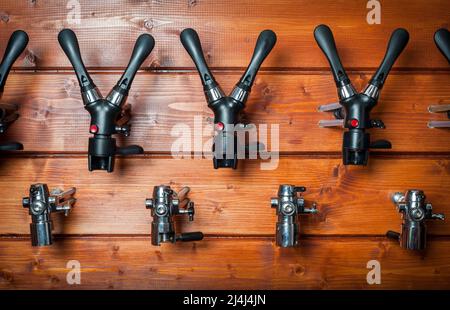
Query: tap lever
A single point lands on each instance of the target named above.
(8, 112)
(142, 49)
(164, 205)
(41, 203)
(11, 146)
(191, 42)
(381, 144)
(325, 39)
(289, 205)
(442, 40)
(264, 45)
(69, 43)
(192, 236)
(415, 211)
(16, 45)
(397, 43)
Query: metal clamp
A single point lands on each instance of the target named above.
(439, 108)
(415, 210)
(41, 204)
(289, 205)
(165, 204)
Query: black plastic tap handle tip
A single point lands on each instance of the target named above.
(325, 39)
(191, 42)
(267, 38)
(264, 45)
(393, 235)
(442, 40)
(69, 43)
(397, 43)
(142, 48)
(16, 45)
(130, 150)
(190, 236)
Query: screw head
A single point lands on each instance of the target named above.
(161, 209)
(417, 214)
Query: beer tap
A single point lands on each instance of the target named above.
(353, 110)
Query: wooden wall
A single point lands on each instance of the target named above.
(109, 229)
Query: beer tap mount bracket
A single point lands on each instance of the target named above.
(415, 211)
(442, 40)
(41, 204)
(228, 109)
(353, 109)
(165, 205)
(289, 204)
(8, 112)
(109, 115)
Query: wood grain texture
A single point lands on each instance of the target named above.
(127, 263)
(351, 200)
(228, 30)
(53, 118)
(109, 228)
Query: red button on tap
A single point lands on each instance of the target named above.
(220, 126)
(354, 123)
(93, 129)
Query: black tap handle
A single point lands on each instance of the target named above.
(191, 42)
(393, 235)
(381, 144)
(130, 150)
(325, 40)
(442, 40)
(143, 47)
(396, 45)
(191, 236)
(69, 43)
(264, 45)
(16, 45)
(299, 189)
(11, 146)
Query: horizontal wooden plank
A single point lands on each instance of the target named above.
(125, 263)
(53, 118)
(351, 200)
(228, 30)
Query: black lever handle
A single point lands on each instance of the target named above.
(191, 42)
(442, 40)
(396, 45)
(11, 146)
(16, 45)
(143, 47)
(130, 150)
(393, 235)
(264, 45)
(191, 236)
(325, 40)
(381, 144)
(69, 43)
